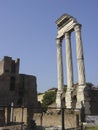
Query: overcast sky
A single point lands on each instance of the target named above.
(28, 31)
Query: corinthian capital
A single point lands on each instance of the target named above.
(77, 27)
(67, 35)
(59, 41)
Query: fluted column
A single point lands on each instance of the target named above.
(69, 69)
(80, 57)
(59, 72)
(80, 66)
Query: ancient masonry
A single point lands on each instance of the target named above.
(17, 89)
(66, 24)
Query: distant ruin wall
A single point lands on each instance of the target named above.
(20, 115)
(49, 120)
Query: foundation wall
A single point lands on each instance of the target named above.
(71, 120)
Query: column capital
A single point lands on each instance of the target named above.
(59, 41)
(77, 27)
(67, 35)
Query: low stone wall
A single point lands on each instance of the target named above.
(71, 120)
(12, 127)
(20, 115)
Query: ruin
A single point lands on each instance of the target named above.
(78, 99)
(67, 24)
(20, 90)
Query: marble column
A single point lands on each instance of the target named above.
(59, 72)
(69, 69)
(80, 66)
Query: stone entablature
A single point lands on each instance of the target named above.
(65, 24)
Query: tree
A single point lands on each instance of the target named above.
(48, 99)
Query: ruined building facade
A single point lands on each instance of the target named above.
(19, 89)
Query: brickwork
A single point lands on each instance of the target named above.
(19, 89)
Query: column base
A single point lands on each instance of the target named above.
(68, 98)
(83, 99)
(58, 98)
(80, 97)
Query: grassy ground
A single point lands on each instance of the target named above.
(92, 128)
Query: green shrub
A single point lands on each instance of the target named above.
(48, 99)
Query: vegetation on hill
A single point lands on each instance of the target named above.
(48, 99)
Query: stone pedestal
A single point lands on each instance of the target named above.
(83, 99)
(68, 98)
(80, 97)
(58, 99)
